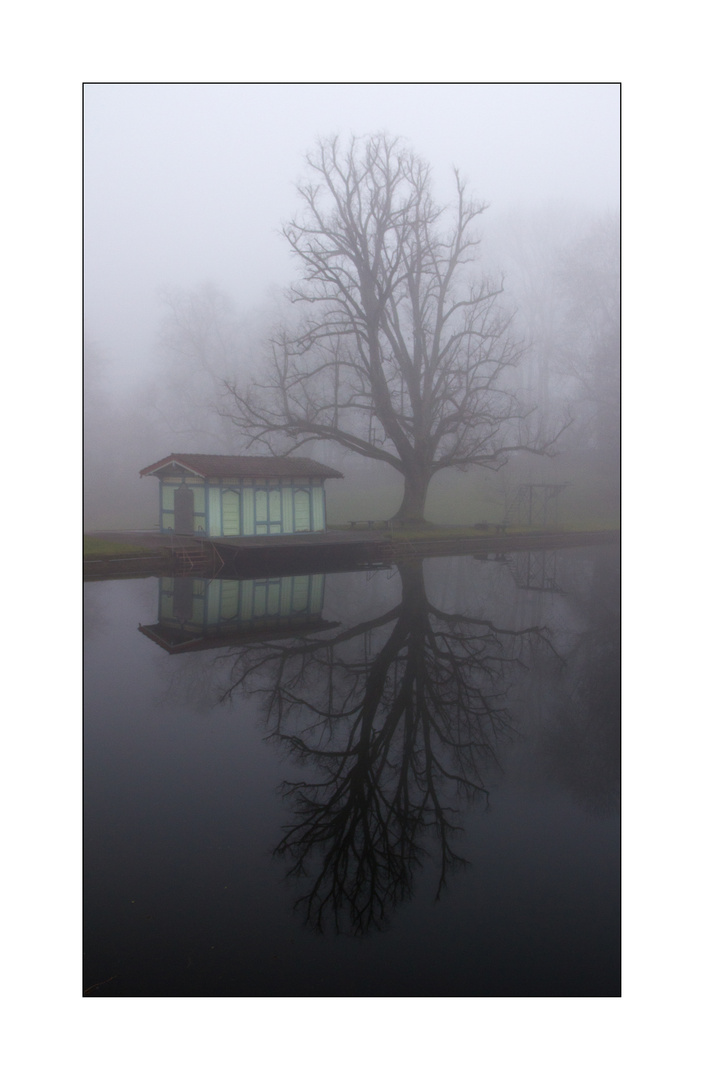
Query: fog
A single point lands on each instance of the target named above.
(186, 189)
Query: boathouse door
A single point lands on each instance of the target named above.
(183, 509)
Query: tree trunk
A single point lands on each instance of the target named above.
(415, 491)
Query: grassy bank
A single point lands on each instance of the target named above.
(430, 531)
(98, 549)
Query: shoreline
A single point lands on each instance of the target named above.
(165, 555)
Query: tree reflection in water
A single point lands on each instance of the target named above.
(398, 718)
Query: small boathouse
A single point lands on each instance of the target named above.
(216, 495)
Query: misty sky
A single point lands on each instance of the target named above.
(190, 182)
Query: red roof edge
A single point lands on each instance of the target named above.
(204, 466)
(167, 461)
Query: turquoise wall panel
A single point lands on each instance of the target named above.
(318, 510)
(287, 509)
(248, 511)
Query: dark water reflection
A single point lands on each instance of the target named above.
(278, 771)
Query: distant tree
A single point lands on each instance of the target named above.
(531, 247)
(591, 341)
(199, 346)
(117, 439)
(405, 357)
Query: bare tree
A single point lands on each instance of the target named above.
(404, 356)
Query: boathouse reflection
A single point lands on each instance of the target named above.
(196, 614)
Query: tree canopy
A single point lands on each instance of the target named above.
(403, 354)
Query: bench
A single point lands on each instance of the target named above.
(369, 523)
(484, 526)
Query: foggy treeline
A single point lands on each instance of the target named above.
(561, 279)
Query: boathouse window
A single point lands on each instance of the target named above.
(231, 512)
(301, 510)
(267, 510)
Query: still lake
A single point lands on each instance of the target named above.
(399, 782)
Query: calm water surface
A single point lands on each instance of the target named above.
(396, 783)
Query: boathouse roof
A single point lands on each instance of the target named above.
(218, 466)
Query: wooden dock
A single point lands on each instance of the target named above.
(252, 556)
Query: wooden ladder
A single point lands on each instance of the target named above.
(200, 559)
